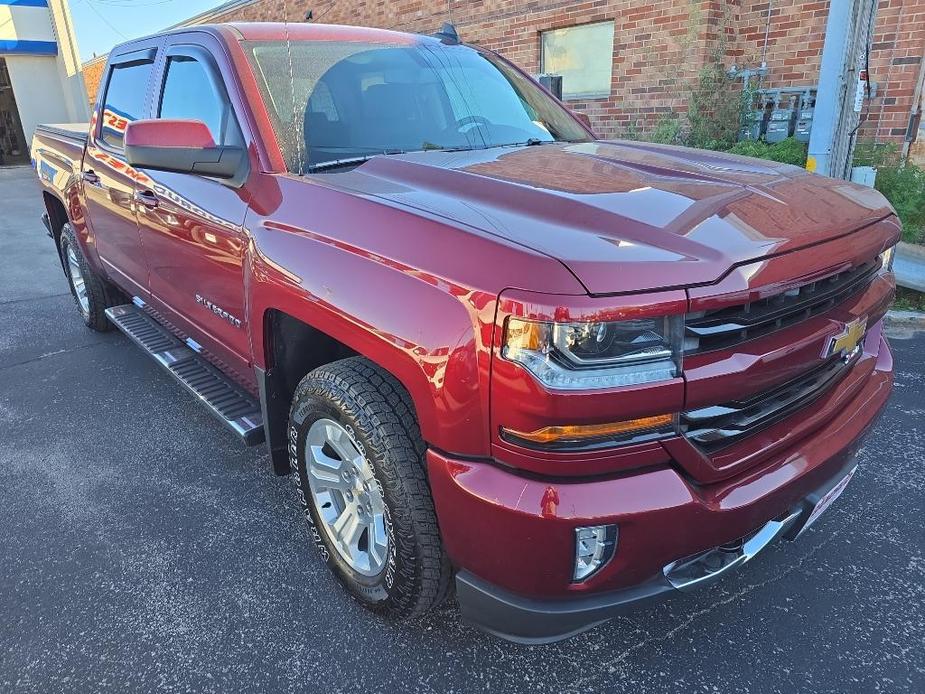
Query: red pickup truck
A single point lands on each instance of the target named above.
(500, 357)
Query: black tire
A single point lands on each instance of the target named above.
(377, 412)
(100, 295)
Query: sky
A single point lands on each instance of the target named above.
(101, 24)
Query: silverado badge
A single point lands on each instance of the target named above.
(848, 341)
(218, 311)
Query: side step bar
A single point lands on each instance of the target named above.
(233, 407)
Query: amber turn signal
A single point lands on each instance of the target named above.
(584, 432)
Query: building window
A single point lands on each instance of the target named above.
(583, 55)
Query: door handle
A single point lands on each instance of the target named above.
(148, 198)
(89, 176)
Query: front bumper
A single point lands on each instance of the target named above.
(525, 620)
(512, 536)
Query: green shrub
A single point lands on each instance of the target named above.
(902, 184)
(667, 132)
(751, 148)
(714, 108)
(787, 151)
(904, 187)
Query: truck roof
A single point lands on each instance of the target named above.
(294, 31)
(301, 31)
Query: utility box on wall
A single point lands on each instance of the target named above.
(805, 121)
(777, 114)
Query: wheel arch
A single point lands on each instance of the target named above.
(292, 343)
(64, 207)
(57, 217)
(292, 348)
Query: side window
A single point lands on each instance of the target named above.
(189, 93)
(125, 100)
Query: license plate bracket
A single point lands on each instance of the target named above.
(826, 500)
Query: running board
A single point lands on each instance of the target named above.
(233, 407)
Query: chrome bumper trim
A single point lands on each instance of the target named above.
(706, 567)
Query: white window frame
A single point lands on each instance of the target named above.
(579, 96)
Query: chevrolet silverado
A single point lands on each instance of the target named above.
(553, 375)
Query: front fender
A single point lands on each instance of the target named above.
(433, 336)
(414, 293)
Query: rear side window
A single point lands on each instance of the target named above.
(190, 93)
(125, 100)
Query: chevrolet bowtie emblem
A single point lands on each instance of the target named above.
(848, 340)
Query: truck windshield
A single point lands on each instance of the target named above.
(335, 103)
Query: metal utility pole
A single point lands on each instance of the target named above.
(842, 86)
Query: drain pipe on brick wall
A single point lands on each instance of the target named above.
(767, 32)
(915, 108)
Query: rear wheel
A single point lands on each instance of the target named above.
(92, 294)
(357, 455)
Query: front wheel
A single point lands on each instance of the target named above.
(357, 455)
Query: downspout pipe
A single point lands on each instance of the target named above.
(831, 91)
(916, 106)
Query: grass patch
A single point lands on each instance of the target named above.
(908, 300)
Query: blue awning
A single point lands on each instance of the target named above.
(28, 47)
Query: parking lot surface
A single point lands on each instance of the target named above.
(141, 548)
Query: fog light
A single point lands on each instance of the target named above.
(594, 547)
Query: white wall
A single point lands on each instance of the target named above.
(25, 23)
(48, 88)
(69, 67)
(38, 90)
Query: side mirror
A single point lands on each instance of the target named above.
(180, 146)
(584, 118)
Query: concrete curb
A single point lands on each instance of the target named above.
(911, 249)
(909, 266)
(905, 319)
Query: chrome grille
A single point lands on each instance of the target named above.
(726, 327)
(717, 426)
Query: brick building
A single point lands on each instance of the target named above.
(655, 48)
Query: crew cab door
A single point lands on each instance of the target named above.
(191, 225)
(108, 181)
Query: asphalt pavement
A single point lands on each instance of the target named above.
(141, 549)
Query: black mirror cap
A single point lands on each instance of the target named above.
(227, 163)
(448, 33)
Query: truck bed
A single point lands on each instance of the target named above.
(72, 131)
(57, 151)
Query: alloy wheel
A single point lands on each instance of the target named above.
(77, 280)
(347, 497)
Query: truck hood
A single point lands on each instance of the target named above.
(624, 216)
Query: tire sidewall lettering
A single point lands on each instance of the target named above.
(303, 414)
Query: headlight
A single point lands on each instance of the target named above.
(886, 258)
(590, 355)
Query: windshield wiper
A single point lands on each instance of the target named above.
(347, 161)
(532, 142)
(426, 147)
(337, 163)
